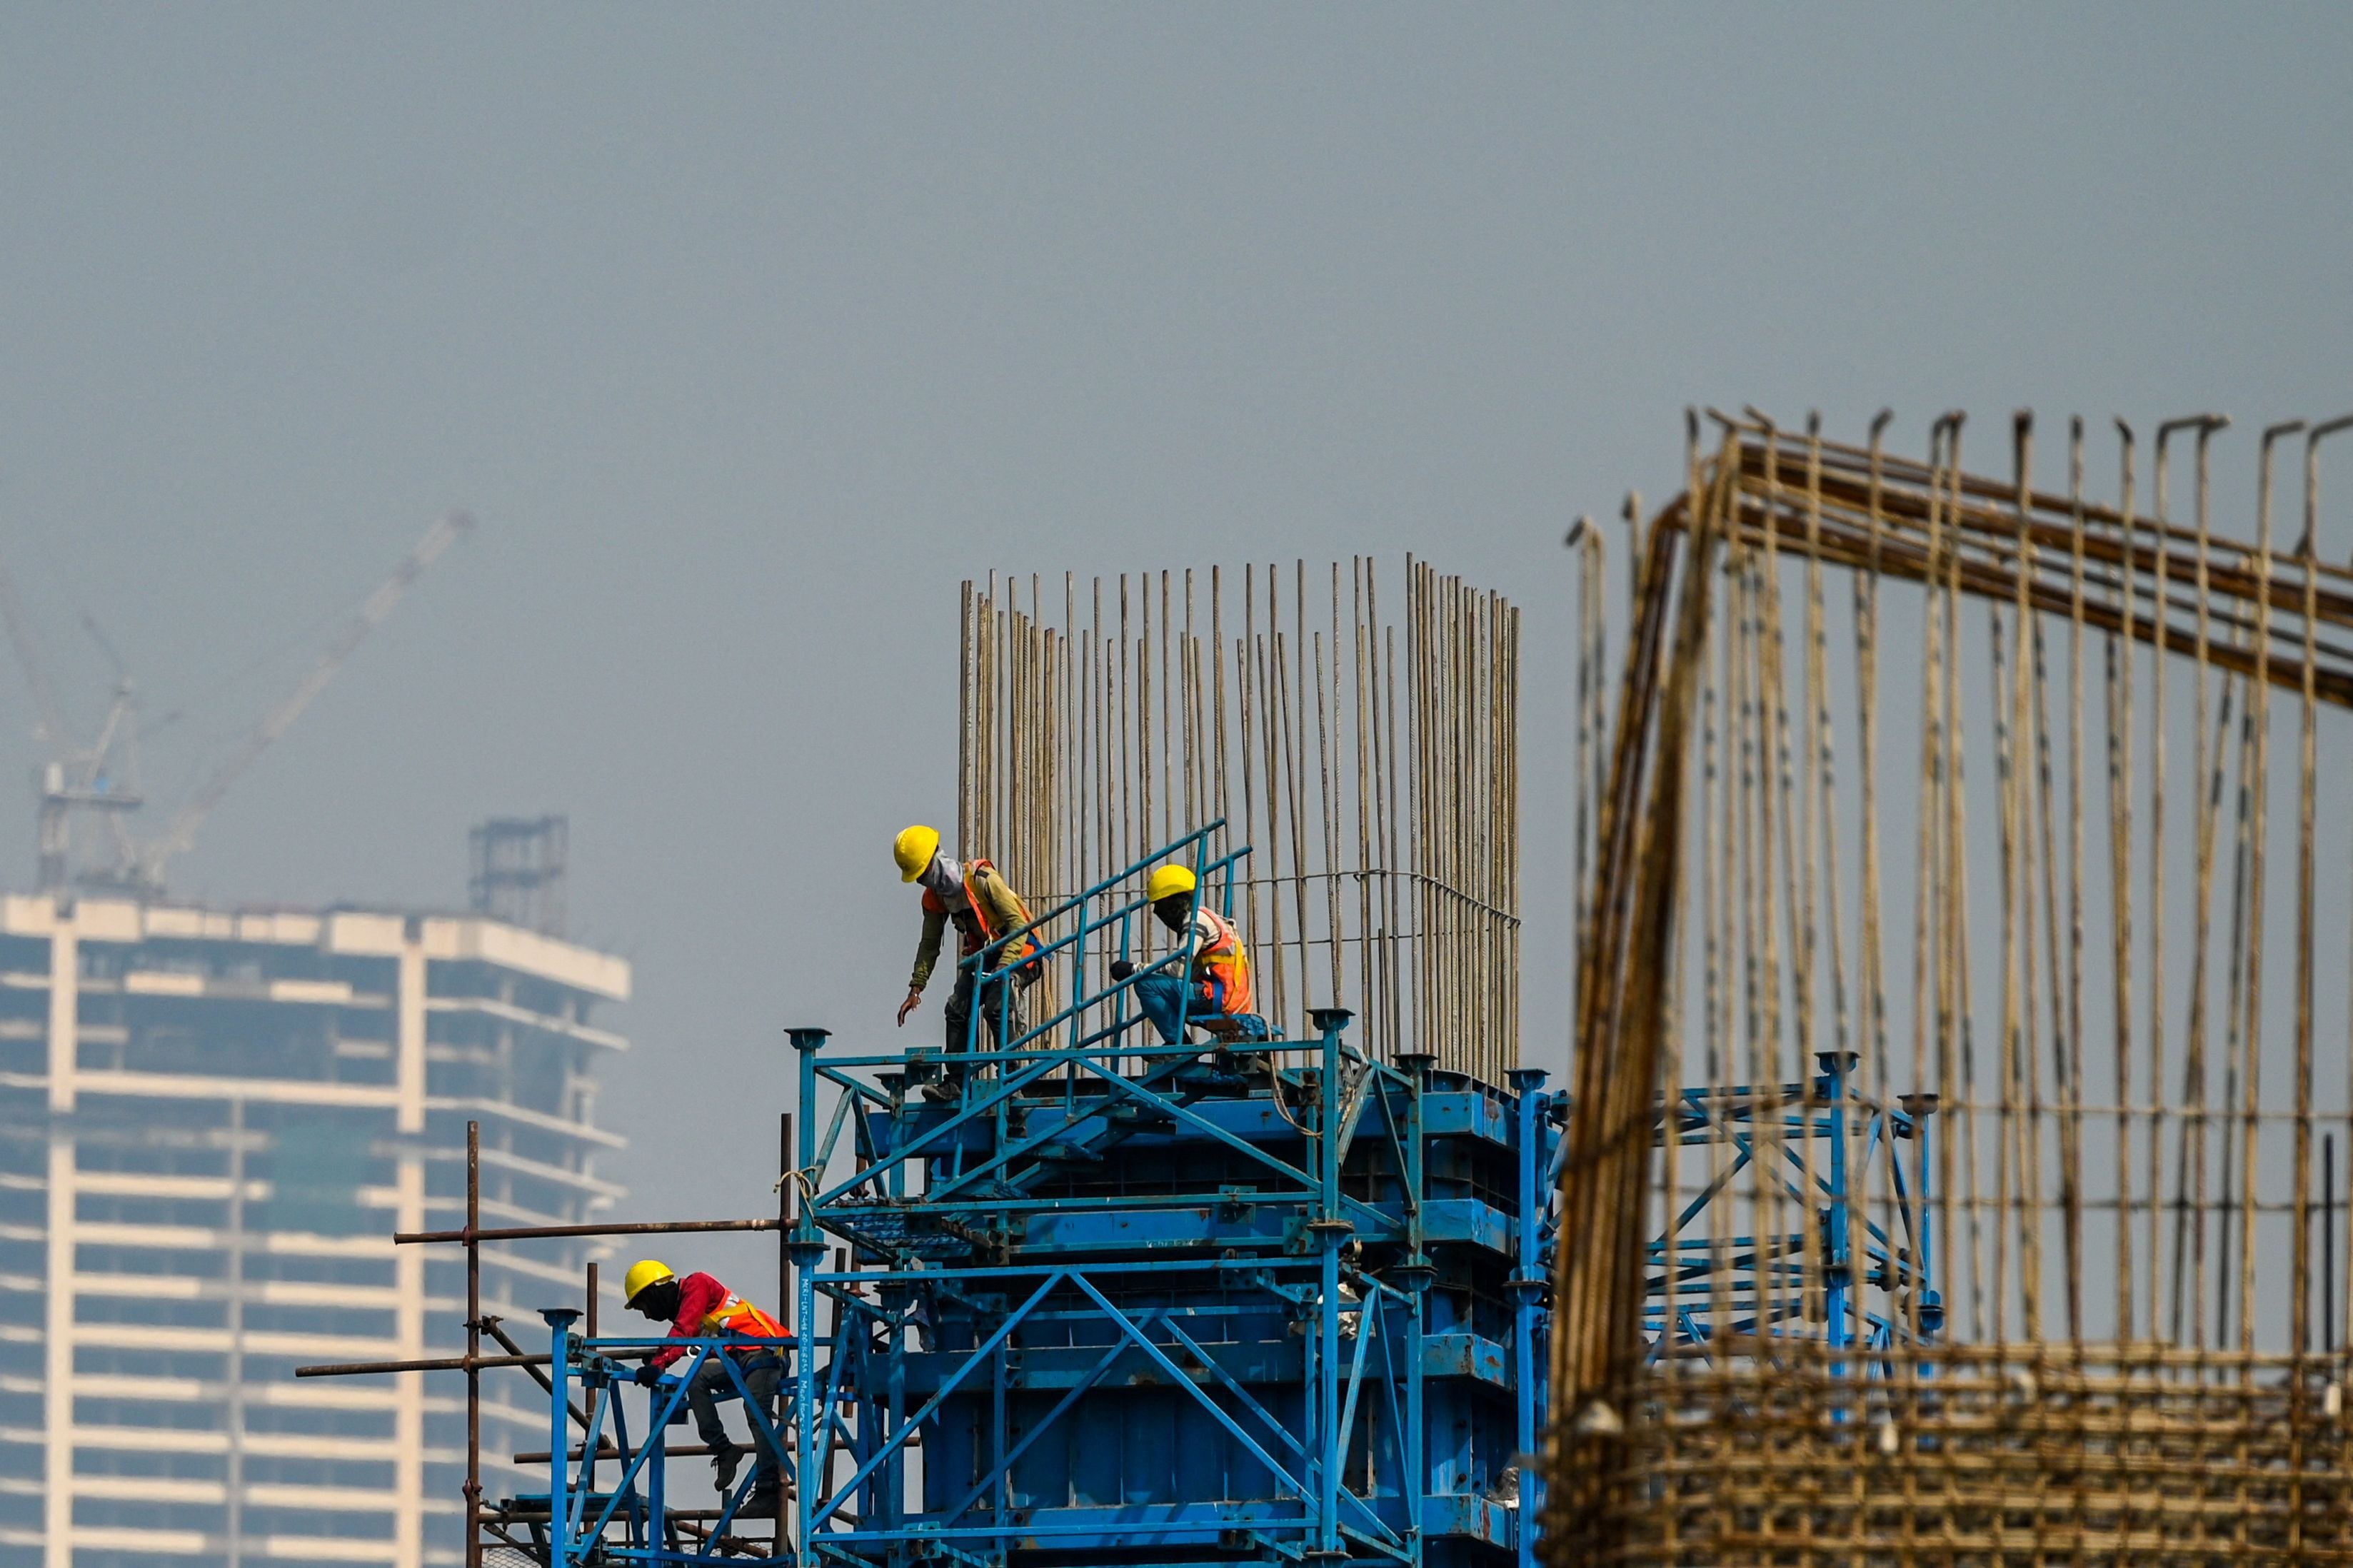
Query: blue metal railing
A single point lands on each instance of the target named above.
(1098, 907)
(630, 1521)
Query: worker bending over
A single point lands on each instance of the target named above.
(699, 1307)
(1217, 976)
(983, 907)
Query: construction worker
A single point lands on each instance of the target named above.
(983, 907)
(1222, 999)
(699, 1307)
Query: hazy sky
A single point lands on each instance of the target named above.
(747, 333)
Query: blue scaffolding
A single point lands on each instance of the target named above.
(1075, 1298)
(1090, 1298)
(1845, 1276)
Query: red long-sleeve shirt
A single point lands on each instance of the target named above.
(708, 1309)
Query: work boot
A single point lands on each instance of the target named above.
(726, 1460)
(759, 1505)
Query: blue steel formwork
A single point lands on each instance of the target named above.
(1093, 1300)
(1251, 1300)
(1233, 1338)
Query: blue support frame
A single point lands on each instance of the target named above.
(627, 1522)
(1806, 1143)
(1102, 1258)
(1291, 1300)
(1135, 1304)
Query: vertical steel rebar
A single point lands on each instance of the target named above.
(2299, 1327)
(1069, 768)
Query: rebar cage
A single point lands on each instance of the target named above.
(1371, 757)
(2108, 1319)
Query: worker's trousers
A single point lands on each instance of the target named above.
(761, 1375)
(1001, 1015)
(1161, 995)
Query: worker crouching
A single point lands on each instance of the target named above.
(700, 1307)
(1215, 992)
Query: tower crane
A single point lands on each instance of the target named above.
(72, 777)
(146, 872)
(102, 776)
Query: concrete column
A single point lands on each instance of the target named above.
(65, 1012)
(58, 1411)
(408, 1413)
(65, 1029)
(409, 1003)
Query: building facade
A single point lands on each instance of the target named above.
(211, 1121)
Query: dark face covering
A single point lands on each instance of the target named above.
(659, 1302)
(1173, 910)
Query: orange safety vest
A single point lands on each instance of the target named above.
(736, 1318)
(1225, 961)
(1014, 951)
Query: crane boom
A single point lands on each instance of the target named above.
(49, 725)
(181, 835)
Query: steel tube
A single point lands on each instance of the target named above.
(606, 1451)
(550, 1232)
(548, 1385)
(427, 1363)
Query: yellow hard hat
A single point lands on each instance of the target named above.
(642, 1274)
(913, 849)
(1170, 881)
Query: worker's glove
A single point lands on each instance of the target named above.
(1121, 969)
(649, 1375)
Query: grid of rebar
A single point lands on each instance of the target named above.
(2026, 1454)
(2028, 822)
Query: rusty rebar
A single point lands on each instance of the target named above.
(1424, 945)
(2141, 1423)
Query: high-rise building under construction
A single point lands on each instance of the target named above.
(210, 1121)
